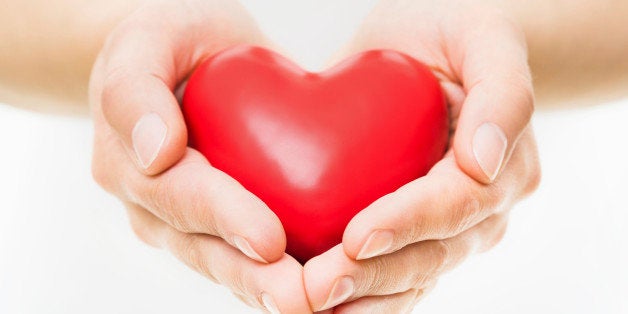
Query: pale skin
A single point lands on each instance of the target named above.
(177, 201)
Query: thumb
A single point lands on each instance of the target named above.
(136, 98)
(499, 101)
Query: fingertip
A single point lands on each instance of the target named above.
(268, 242)
(494, 115)
(499, 103)
(215, 203)
(158, 147)
(314, 281)
(319, 276)
(262, 230)
(146, 116)
(245, 247)
(482, 154)
(354, 237)
(282, 287)
(370, 232)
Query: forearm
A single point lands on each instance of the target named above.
(578, 48)
(47, 49)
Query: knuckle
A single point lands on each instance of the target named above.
(375, 274)
(427, 288)
(494, 196)
(525, 159)
(184, 205)
(516, 85)
(495, 237)
(101, 175)
(179, 220)
(433, 256)
(114, 84)
(201, 212)
(527, 99)
(95, 79)
(142, 231)
(161, 195)
(465, 207)
(535, 175)
(238, 281)
(419, 226)
(420, 278)
(191, 251)
(103, 171)
(465, 215)
(520, 87)
(499, 236)
(106, 168)
(440, 253)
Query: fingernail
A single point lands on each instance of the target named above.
(148, 136)
(379, 242)
(269, 303)
(243, 245)
(489, 148)
(342, 290)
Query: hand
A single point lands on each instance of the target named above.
(174, 197)
(394, 250)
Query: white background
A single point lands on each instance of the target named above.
(65, 245)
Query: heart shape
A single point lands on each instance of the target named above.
(316, 147)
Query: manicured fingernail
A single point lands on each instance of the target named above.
(489, 148)
(269, 303)
(148, 136)
(343, 289)
(378, 243)
(243, 245)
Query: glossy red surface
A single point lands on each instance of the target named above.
(316, 147)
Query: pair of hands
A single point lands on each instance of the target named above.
(394, 250)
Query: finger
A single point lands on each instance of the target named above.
(500, 101)
(143, 61)
(422, 292)
(276, 287)
(437, 206)
(333, 278)
(403, 302)
(136, 85)
(194, 197)
(395, 303)
(144, 224)
(440, 205)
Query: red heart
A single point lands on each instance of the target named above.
(316, 148)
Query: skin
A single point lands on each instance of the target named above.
(180, 203)
(66, 36)
(433, 233)
(577, 49)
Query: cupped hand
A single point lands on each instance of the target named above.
(175, 198)
(394, 250)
